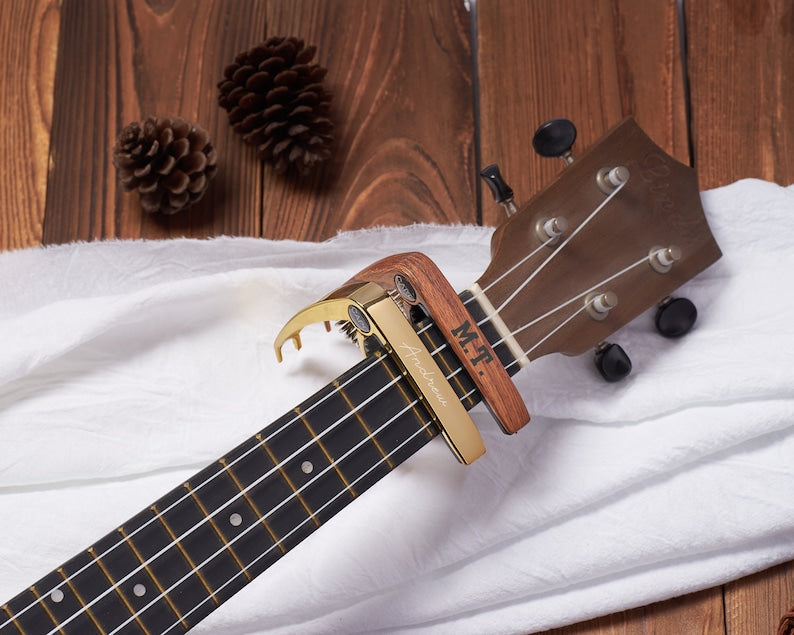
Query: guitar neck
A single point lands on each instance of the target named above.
(169, 566)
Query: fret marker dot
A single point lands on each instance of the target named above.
(56, 596)
(307, 467)
(139, 590)
(236, 520)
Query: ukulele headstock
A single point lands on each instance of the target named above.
(616, 233)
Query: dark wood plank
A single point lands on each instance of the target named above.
(592, 62)
(742, 88)
(119, 62)
(401, 76)
(742, 85)
(695, 613)
(28, 48)
(756, 603)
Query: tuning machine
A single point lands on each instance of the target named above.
(502, 192)
(555, 138)
(675, 317)
(612, 362)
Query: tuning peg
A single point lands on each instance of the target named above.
(609, 179)
(555, 139)
(675, 317)
(502, 192)
(612, 362)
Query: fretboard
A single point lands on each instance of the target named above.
(168, 567)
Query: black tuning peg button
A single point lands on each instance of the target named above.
(502, 192)
(555, 138)
(675, 317)
(612, 362)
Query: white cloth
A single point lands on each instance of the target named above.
(127, 366)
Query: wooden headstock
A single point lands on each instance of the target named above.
(545, 294)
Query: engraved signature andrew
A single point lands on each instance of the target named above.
(413, 353)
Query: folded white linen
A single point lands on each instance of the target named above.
(126, 366)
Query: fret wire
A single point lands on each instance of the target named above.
(316, 440)
(85, 608)
(251, 502)
(214, 525)
(229, 502)
(12, 620)
(289, 482)
(410, 438)
(159, 586)
(117, 588)
(374, 362)
(46, 609)
(282, 503)
(185, 555)
(363, 424)
(176, 540)
(417, 410)
(283, 427)
(250, 527)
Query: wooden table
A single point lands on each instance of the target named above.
(425, 93)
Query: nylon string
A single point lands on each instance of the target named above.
(184, 497)
(329, 467)
(332, 426)
(237, 496)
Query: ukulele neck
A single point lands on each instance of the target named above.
(169, 566)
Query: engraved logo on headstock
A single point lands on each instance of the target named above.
(655, 170)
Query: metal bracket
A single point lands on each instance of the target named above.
(372, 311)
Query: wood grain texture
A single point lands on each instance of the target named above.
(28, 49)
(659, 205)
(432, 291)
(592, 62)
(401, 76)
(742, 89)
(118, 63)
(402, 80)
(699, 613)
(756, 603)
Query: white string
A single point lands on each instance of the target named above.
(559, 326)
(560, 248)
(230, 501)
(603, 282)
(187, 495)
(543, 245)
(242, 571)
(331, 466)
(238, 495)
(339, 388)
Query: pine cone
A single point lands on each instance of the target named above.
(169, 161)
(275, 98)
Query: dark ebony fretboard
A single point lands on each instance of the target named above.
(169, 566)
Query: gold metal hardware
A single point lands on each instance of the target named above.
(372, 311)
